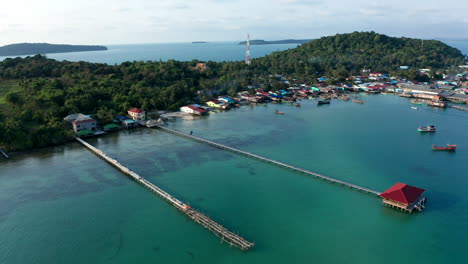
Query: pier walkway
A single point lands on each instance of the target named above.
(280, 164)
(220, 231)
(3, 152)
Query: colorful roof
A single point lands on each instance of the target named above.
(136, 110)
(111, 126)
(402, 193)
(83, 119)
(84, 133)
(196, 108)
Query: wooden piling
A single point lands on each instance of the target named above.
(220, 231)
(267, 160)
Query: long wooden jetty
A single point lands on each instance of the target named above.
(4, 153)
(459, 107)
(278, 163)
(220, 231)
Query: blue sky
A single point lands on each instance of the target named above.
(155, 21)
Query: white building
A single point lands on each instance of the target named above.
(191, 109)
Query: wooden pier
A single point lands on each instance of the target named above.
(3, 152)
(220, 231)
(459, 107)
(280, 164)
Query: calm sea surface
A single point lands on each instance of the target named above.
(65, 205)
(213, 51)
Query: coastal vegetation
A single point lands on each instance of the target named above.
(36, 93)
(343, 55)
(43, 48)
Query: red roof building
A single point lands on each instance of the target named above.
(191, 109)
(404, 196)
(136, 110)
(137, 114)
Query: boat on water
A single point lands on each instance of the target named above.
(321, 102)
(414, 107)
(426, 129)
(416, 102)
(447, 148)
(358, 101)
(279, 112)
(297, 105)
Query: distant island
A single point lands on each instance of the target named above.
(199, 42)
(43, 48)
(284, 41)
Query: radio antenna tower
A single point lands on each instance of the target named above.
(247, 50)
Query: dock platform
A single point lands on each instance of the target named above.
(277, 163)
(3, 152)
(220, 231)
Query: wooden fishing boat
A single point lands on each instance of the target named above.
(278, 112)
(358, 101)
(426, 129)
(447, 148)
(322, 102)
(416, 102)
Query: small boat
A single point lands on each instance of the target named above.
(416, 102)
(414, 107)
(358, 101)
(448, 148)
(426, 129)
(323, 102)
(297, 105)
(278, 112)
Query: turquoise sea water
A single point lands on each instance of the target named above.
(65, 205)
(213, 51)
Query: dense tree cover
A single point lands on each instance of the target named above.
(42, 48)
(348, 54)
(31, 115)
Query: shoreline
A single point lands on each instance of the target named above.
(169, 116)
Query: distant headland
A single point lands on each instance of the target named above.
(199, 42)
(43, 48)
(284, 41)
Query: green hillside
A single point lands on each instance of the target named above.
(344, 54)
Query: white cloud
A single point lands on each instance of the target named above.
(131, 21)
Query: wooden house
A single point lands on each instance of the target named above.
(404, 197)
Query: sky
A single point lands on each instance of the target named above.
(107, 22)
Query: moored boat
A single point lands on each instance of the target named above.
(426, 129)
(416, 102)
(414, 107)
(278, 112)
(321, 102)
(358, 101)
(447, 148)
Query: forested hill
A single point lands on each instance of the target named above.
(43, 48)
(345, 54)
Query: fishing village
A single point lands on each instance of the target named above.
(401, 196)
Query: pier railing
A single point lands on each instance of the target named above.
(220, 231)
(278, 163)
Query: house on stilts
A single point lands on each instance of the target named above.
(404, 197)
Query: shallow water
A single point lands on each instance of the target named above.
(65, 205)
